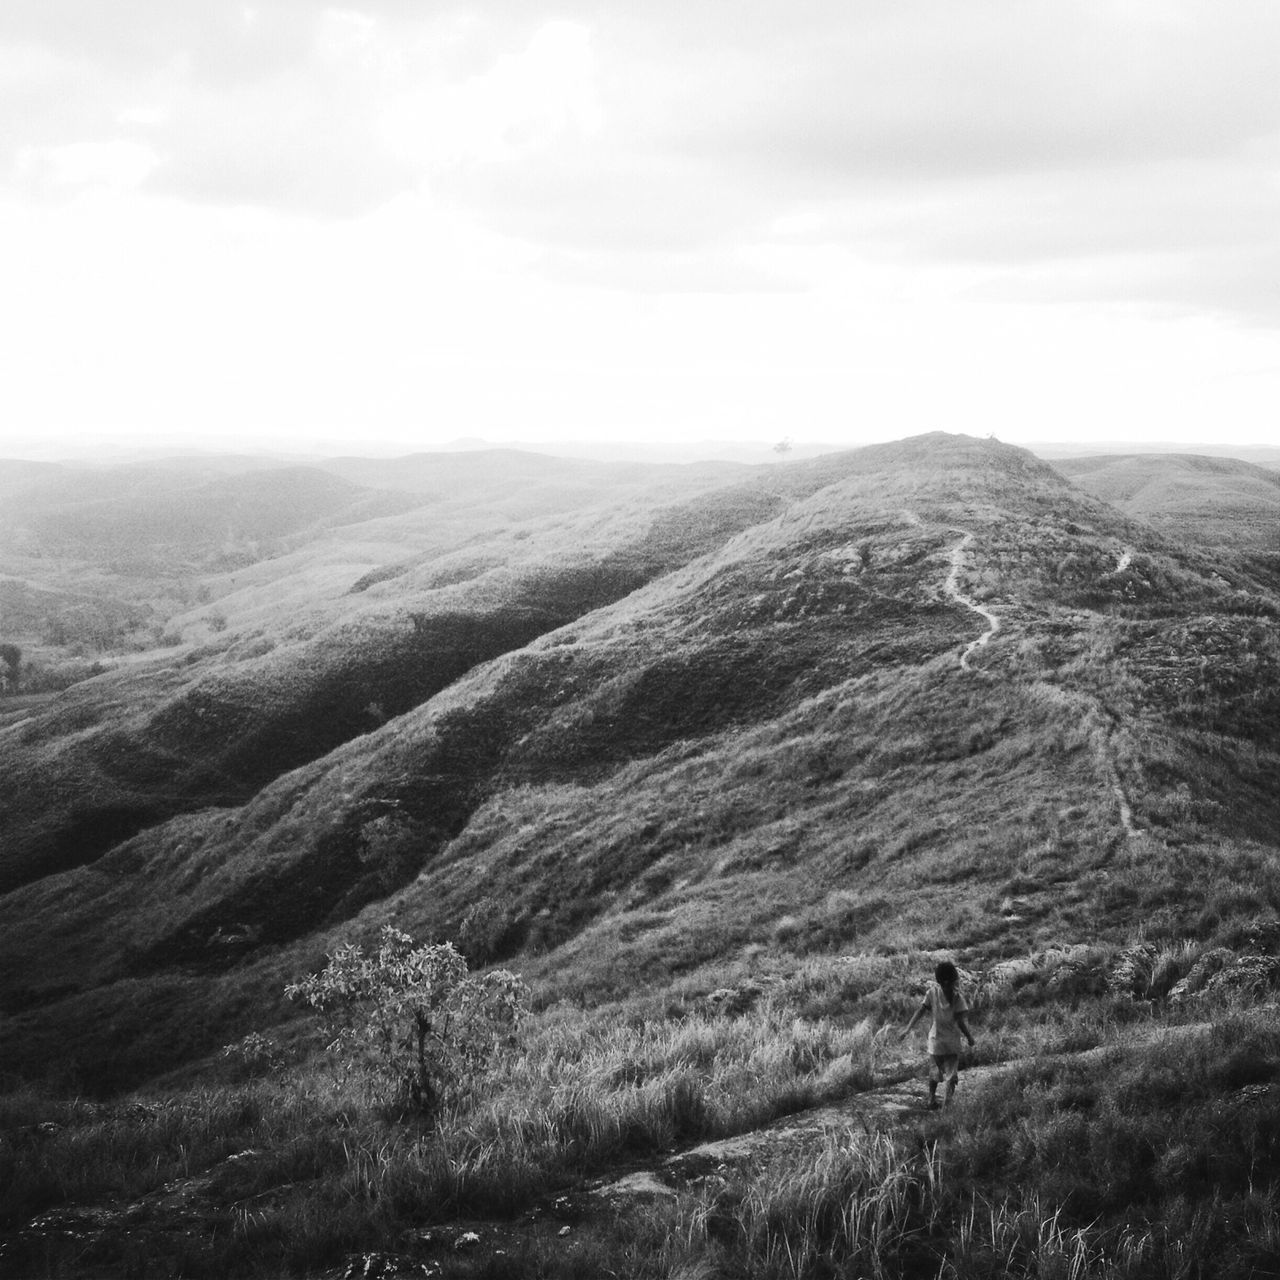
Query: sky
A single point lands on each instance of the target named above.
(392, 223)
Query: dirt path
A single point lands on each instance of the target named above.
(952, 588)
(1108, 724)
(1121, 796)
(900, 1100)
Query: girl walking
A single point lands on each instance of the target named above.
(948, 1007)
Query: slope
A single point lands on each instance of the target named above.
(774, 744)
(167, 513)
(307, 650)
(1219, 502)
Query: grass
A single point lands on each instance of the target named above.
(770, 746)
(328, 1170)
(763, 774)
(1062, 1162)
(1150, 1163)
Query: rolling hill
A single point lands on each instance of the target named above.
(188, 512)
(618, 729)
(1223, 503)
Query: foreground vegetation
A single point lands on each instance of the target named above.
(1157, 1154)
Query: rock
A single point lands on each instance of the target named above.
(1204, 968)
(1012, 973)
(1223, 973)
(732, 1001)
(1077, 975)
(1130, 972)
(1249, 975)
(642, 1185)
(383, 1266)
(1250, 1095)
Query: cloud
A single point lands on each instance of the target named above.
(926, 92)
(1107, 144)
(116, 164)
(1010, 136)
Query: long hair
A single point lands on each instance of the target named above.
(947, 976)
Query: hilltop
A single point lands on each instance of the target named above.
(618, 727)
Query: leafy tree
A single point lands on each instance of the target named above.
(412, 1018)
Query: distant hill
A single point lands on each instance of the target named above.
(442, 474)
(515, 484)
(1264, 456)
(623, 738)
(1220, 502)
(151, 511)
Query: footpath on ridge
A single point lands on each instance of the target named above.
(952, 588)
(1090, 708)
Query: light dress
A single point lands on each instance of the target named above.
(944, 1034)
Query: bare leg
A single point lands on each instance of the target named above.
(952, 1081)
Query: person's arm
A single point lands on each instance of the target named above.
(915, 1017)
(963, 1024)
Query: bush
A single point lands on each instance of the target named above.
(412, 1019)
(255, 1055)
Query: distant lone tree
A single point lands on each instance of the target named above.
(411, 1019)
(11, 656)
(783, 447)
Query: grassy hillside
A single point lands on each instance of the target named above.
(307, 650)
(1220, 502)
(716, 761)
(150, 512)
(767, 738)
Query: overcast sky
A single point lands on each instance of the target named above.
(834, 220)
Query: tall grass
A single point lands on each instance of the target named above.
(294, 1172)
(1163, 1161)
(1111, 1164)
(854, 1206)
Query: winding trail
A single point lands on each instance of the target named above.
(1108, 726)
(952, 588)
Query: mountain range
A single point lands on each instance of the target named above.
(615, 725)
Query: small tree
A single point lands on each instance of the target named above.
(412, 1018)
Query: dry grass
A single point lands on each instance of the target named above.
(1109, 1164)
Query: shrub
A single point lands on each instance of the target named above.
(255, 1055)
(411, 1018)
